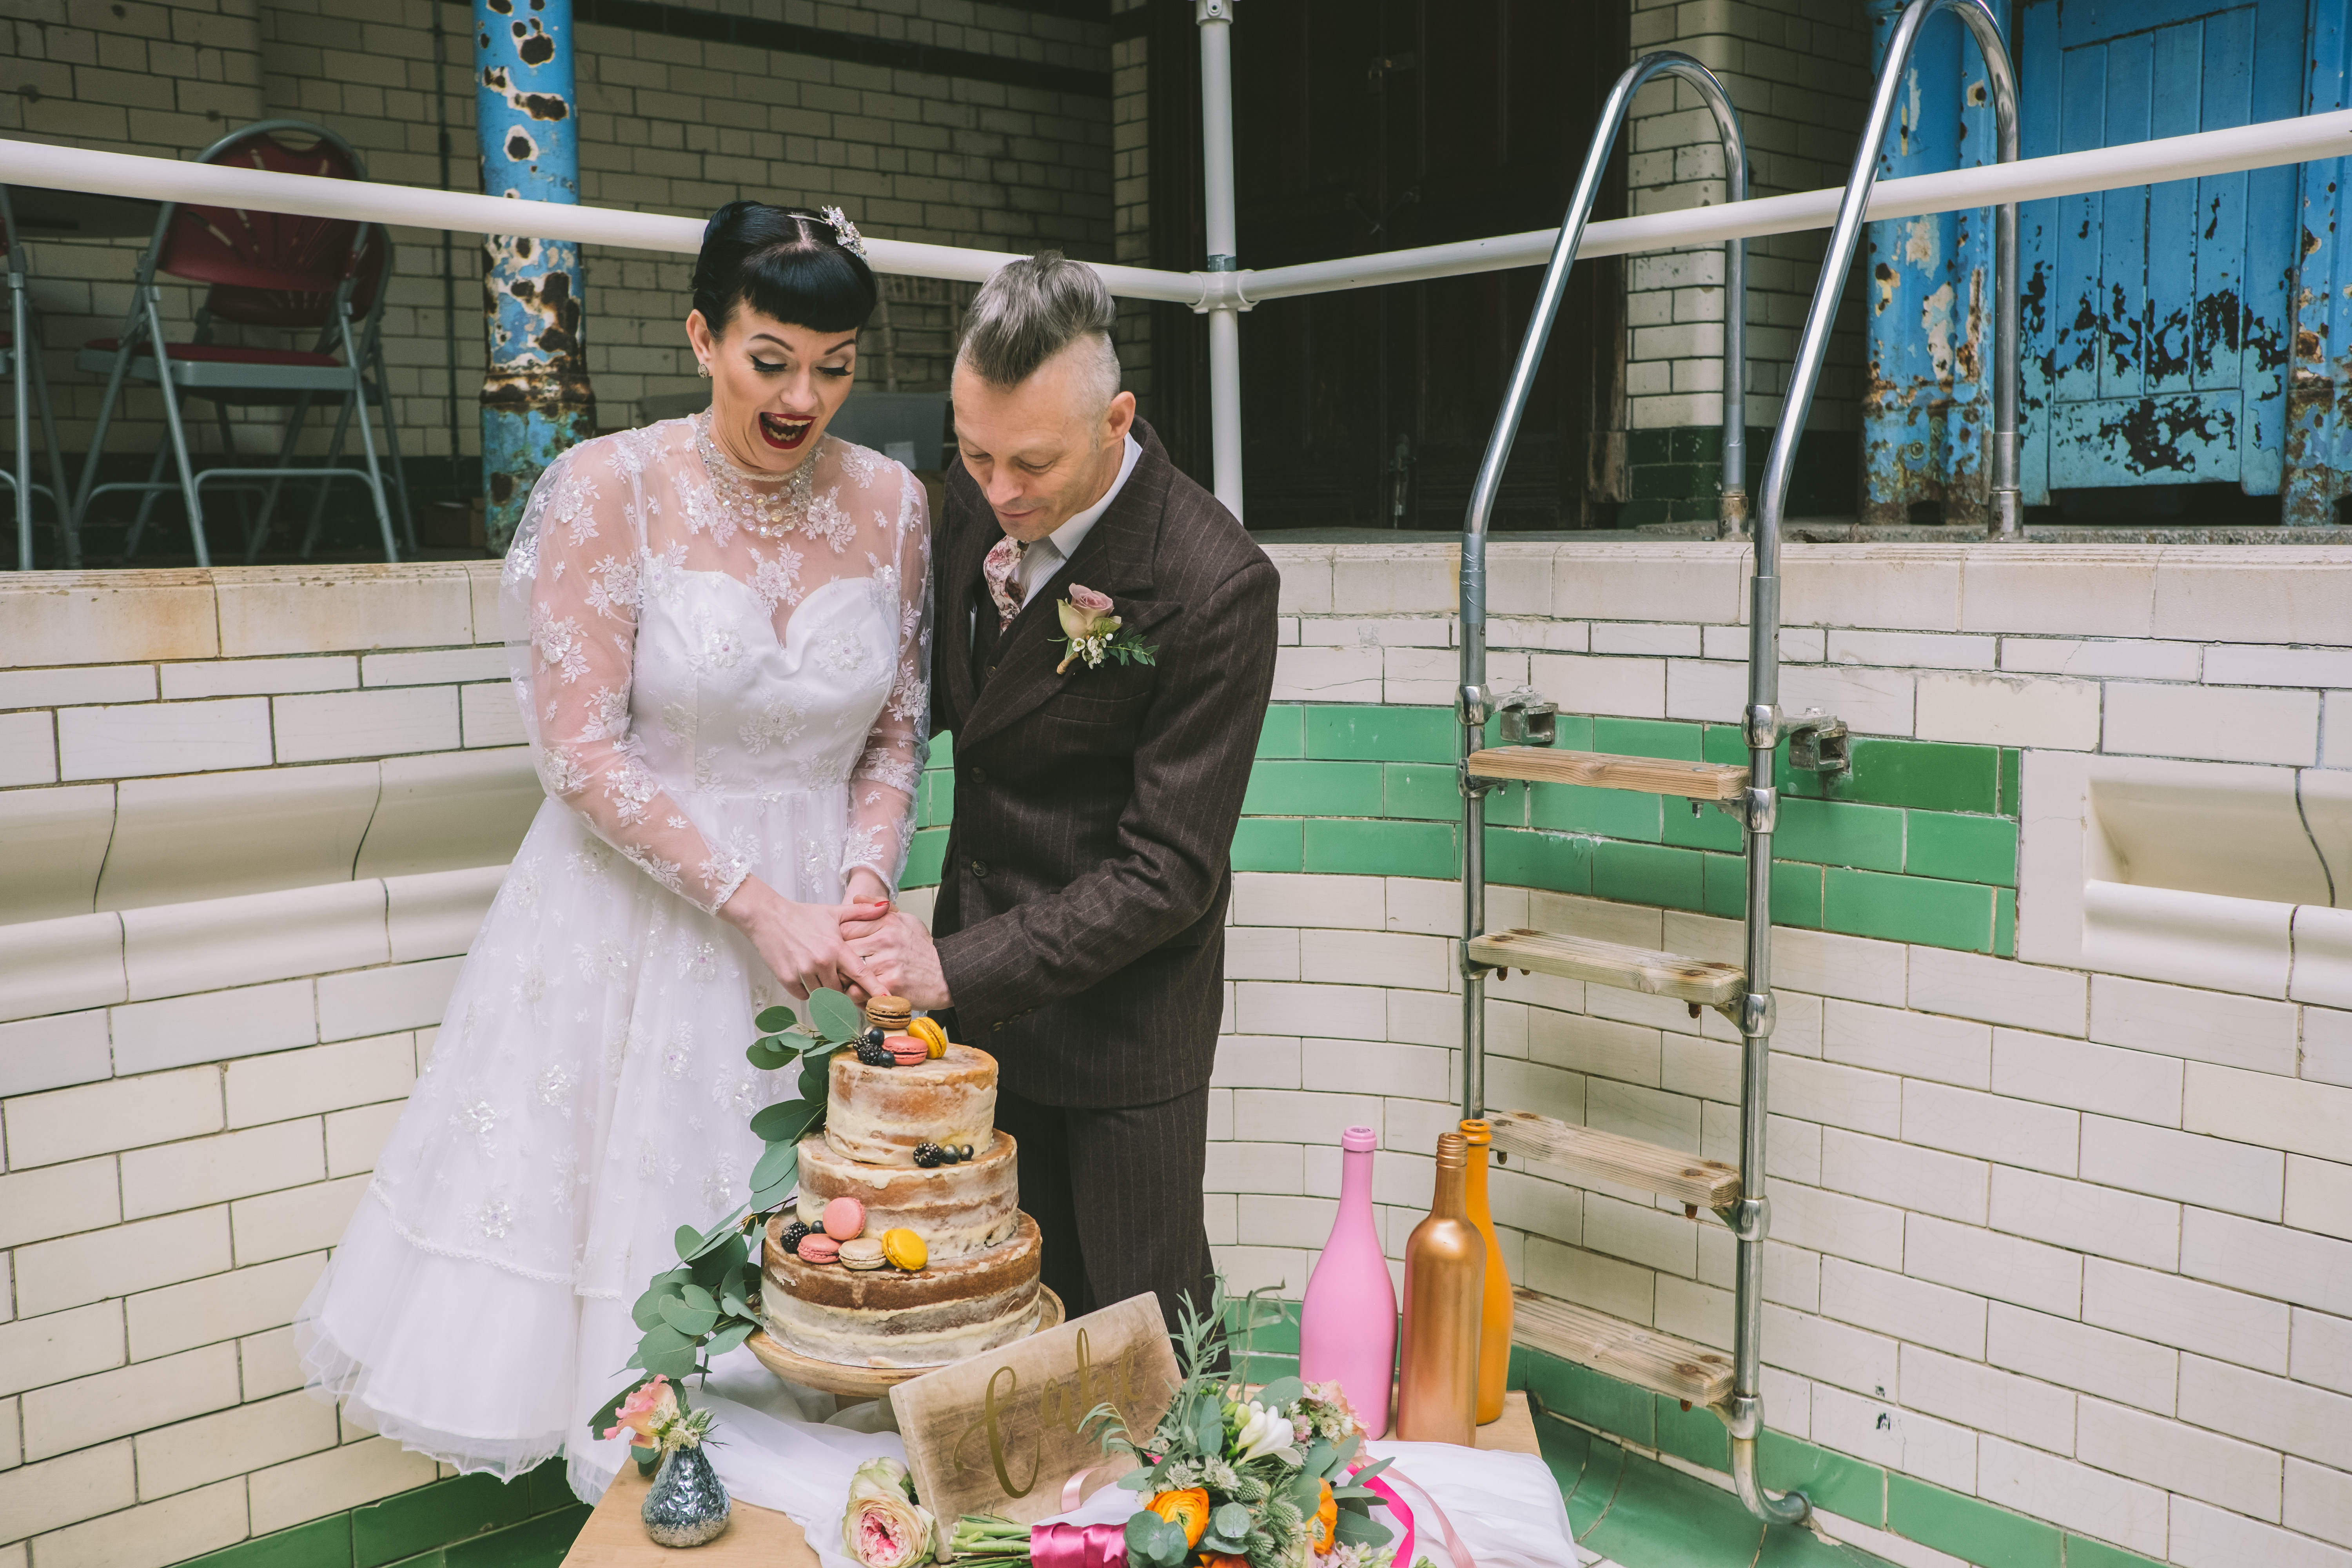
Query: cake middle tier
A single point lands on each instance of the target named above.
(876, 1115)
(958, 1210)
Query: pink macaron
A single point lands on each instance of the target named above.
(818, 1247)
(844, 1218)
(907, 1050)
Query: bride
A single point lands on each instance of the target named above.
(718, 636)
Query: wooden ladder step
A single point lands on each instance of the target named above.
(1700, 980)
(1612, 1157)
(1677, 1368)
(1650, 775)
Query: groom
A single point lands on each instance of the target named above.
(1079, 932)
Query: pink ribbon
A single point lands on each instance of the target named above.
(1077, 1545)
(1386, 1493)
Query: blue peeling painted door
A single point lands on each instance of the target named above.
(2157, 318)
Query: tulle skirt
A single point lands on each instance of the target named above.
(587, 1095)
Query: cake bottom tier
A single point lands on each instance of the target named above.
(885, 1318)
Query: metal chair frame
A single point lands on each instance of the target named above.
(21, 362)
(226, 383)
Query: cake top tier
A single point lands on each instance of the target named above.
(876, 1115)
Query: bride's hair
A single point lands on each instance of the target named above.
(785, 262)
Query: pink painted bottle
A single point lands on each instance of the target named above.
(1348, 1325)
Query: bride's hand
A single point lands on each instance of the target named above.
(801, 942)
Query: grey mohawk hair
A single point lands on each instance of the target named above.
(1031, 311)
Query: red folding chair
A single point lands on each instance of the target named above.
(264, 269)
(20, 362)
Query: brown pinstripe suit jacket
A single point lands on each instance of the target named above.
(1080, 920)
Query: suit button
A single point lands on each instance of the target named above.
(978, 775)
(980, 868)
(991, 672)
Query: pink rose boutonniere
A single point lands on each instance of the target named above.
(1090, 632)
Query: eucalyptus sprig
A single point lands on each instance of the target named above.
(702, 1308)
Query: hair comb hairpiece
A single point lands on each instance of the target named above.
(844, 230)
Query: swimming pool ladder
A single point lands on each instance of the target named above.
(1664, 1363)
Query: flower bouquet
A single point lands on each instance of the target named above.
(687, 1504)
(1230, 1480)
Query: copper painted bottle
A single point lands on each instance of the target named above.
(1444, 1276)
(1495, 1312)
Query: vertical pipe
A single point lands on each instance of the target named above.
(21, 342)
(1216, 21)
(448, 242)
(1731, 509)
(535, 400)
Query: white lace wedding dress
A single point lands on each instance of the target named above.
(719, 678)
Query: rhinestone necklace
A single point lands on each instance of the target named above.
(771, 513)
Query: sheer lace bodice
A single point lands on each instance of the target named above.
(684, 631)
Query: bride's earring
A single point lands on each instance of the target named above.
(702, 369)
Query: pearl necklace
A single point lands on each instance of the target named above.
(771, 514)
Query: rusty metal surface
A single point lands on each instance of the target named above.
(536, 398)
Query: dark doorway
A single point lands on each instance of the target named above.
(1371, 125)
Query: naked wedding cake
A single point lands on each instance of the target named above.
(908, 1247)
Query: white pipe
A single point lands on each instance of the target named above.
(2306, 139)
(213, 185)
(1216, 21)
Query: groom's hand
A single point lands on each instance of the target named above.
(898, 952)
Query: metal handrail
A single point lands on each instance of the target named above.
(1845, 234)
(1745, 1417)
(1472, 704)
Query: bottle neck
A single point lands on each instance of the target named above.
(1451, 1200)
(1356, 1179)
(1474, 1177)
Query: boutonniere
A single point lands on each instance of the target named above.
(1092, 632)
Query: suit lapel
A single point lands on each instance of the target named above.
(1115, 559)
(959, 573)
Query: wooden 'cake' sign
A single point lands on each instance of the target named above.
(1003, 1432)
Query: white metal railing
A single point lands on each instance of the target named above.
(2299, 141)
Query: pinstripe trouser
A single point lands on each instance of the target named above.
(1116, 1193)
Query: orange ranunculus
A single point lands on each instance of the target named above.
(1327, 1521)
(1188, 1508)
(1223, 1560)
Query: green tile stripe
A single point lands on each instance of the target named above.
(470, 1522)
(1667, 1518)
(1918, 844)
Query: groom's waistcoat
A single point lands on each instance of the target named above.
(1080, 920)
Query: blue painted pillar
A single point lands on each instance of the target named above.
(1927, 399)
(2318, 456)
(536, 401)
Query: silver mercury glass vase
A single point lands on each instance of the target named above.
(687, 1505)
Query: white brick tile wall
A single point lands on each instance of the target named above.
(2318, 1501)
(205, 1171)
(2321, 1349)
(2290, 1416)
(64, 1416)
(2003, 1267)
(2082, 1217)
(28, 749)
(2215, 724)
(2078, 1355)
(58, 1200)
(1921, 1179)
(2042, 1138)
(2105, 1506)
(2171, 1311)
(1989, 1400)
(141, 741)
(2250, 1107)
(2206, 1537)
(99, 1118)
(2009, 710)
(1904, 1440)
(2319, 1195)
(1904, 1307)
(259, 677)
(37, 1498)
(2203, 1026)
(2289, 1265)
(97, 1265)
(2327, 1038)
(2138, 1085)
(2179, 1458)
(1915, 1044)
(2239, 1177)
(57, 1347)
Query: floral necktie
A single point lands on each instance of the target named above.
(1003, 561)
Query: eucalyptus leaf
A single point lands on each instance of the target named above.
(1359, 1530)
(689, 1241)
(692, 1322)
(815, 1074)
(716, 1238)
(773, 1177)
(699, 1299)
(767, 1055)
(728, 1337)
(712, 1270)
(1347, 1448)
(786, 1121)
(1155, 1542)
(1139, 1479)
(772, 1019)
(733, 1306)
(661, 1340)
(648, 1311)
(1231, 1520)
(678, 1363)
(1209, 1426)
(1285, 1392)
(835, 1016)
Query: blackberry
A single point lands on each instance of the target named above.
(875, 1053)
(930, 1155)
(791, 1238)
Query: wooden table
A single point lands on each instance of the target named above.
(616, 1536)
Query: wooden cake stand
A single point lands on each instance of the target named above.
(866, 1382)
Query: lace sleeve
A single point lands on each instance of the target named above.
(569, 601)
(883, 786)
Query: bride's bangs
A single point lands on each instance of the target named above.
(820, 287)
